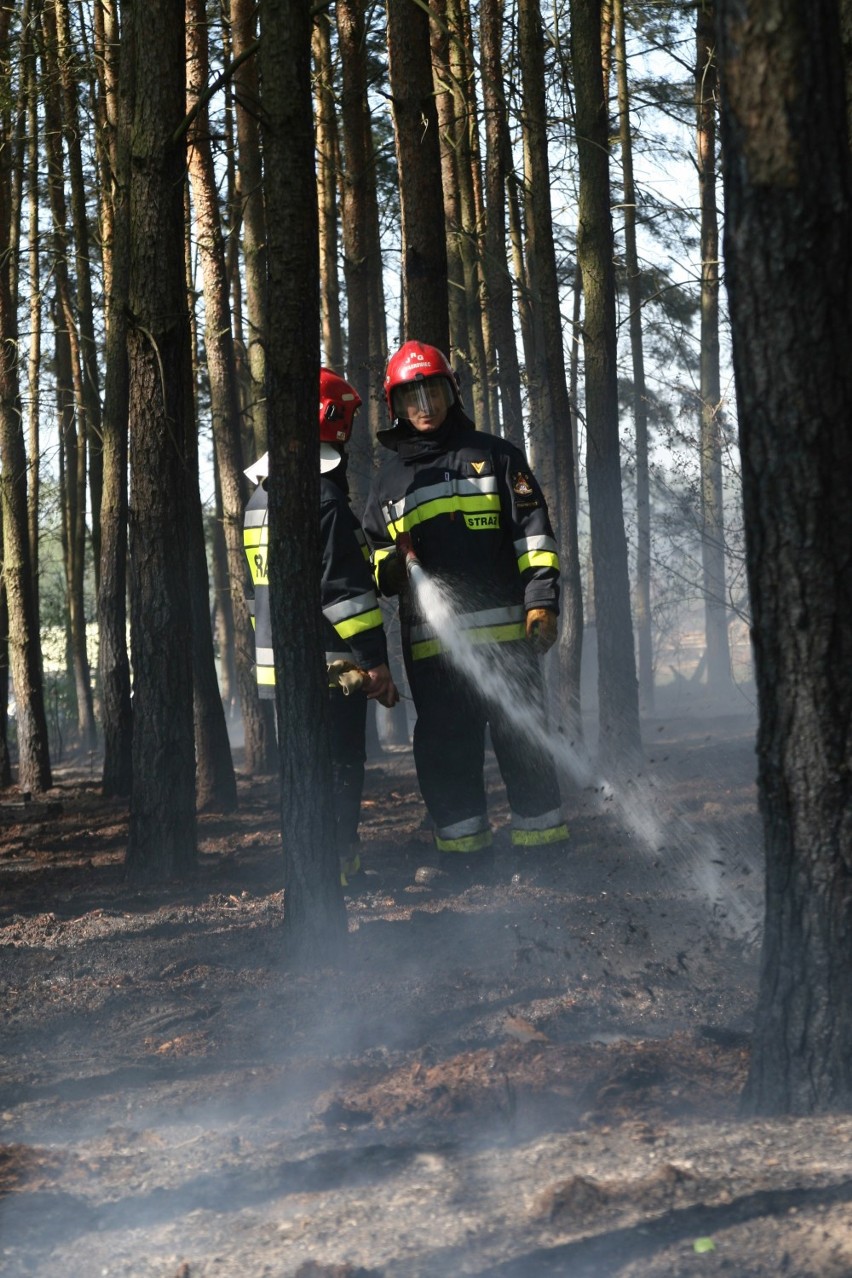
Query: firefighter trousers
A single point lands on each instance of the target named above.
(449, 738)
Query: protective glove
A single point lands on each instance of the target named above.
(381, 687)
(393, 579)
(541, 627)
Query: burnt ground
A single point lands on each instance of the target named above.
(531, 1064)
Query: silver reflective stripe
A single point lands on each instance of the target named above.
(360, 538)
(463, 487)
(471, 825)
(547, 820)
(337, 656)
(473, 620)
(255, 518)
(351, 607)
(264, 656)
(526, 544)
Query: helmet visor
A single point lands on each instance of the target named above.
(429, 395)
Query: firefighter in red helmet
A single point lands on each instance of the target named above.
(352, 618)
(468, 506)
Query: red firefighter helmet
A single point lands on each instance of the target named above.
(338, 404)
(412, 364)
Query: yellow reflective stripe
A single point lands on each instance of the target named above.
(365, 551)
(379, 556)
(538, 559)
(357, 625)
(467, 843)
(539, 838)
(266, 675)
(481, 634)
(444, 506)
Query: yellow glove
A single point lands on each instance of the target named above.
(541, 629)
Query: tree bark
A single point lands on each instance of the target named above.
(362, 258)
(90, 405)
(328, 164)
(33, 761)
(497, 163)
(113, 659)
(162, 817)
(314, 917)
(618, 701)
(224, 395)
(788, 259)
(244, 34)
(553, 426)
(425, 304)
(642, 594)
(712, 494)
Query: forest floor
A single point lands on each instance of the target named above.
(530, 1065)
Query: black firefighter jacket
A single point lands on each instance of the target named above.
(352, 618)
(477, 520)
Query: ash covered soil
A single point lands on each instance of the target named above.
(530, 1065)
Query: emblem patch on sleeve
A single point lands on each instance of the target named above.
(521, 485)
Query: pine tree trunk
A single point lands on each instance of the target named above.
(224, 396)
(24, 648)
(619, 738)
(328, 164)
(499, 281)
(162, 818)
(642, 594)
(113, 660)
(215, 781)
(425, 304)
(788, 256)
(712, 496)
(314, 917)
(88, 350)
(553, 444)
(468, 176)
(244, 34)
(71, 395)
(362, 261)
(448, 129)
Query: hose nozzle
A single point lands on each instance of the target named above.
(405, 550)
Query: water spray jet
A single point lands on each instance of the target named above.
(636, 802)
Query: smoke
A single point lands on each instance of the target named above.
(655, 826)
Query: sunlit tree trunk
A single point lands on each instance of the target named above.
(328, 165)
(618, 701)
(33, 760)
(554, 433)
(224, 397)
(642, 593)
(445, 105)
(362, 260)
(506, 374)
(34, 194)
(425, 306)
(71, 378)
(90, 407)
(222, 611)
(113, 661)
(712, 494)
(470, 223)
(162, 817)
(788, 268)
(314, 917)
(244, 36)
(215, 781)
